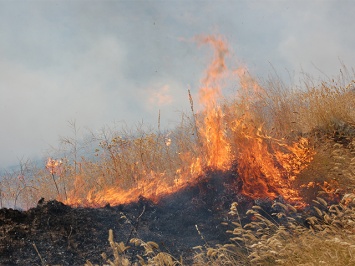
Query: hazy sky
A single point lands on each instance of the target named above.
(97, 62)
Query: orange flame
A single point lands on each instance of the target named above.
(266, 166)
(154, 187)
(212, 129)
(54, 166)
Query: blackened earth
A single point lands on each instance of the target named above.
(56, 234)
(70, 236)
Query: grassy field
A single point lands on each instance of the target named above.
(284, 139)
(324, 116)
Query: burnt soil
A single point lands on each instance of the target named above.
(69, 236)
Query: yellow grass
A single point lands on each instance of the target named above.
(322, 112)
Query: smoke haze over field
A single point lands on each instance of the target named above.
(97, 62)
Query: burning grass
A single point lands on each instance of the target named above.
(265, 133)
(269, 133)
(282, 143)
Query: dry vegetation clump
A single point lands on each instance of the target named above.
(22, 188)
(323, 114)
(127, 158)
(151, 255)
(307, 108)
(327, 237)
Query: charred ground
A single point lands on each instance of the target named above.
(56, 234)
(70, 236)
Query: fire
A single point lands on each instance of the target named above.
(268, 166)
(227, 135)
(212, 129)
(54, 166)
(154, 187)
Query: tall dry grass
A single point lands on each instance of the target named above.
(327, 238)
(123, 158)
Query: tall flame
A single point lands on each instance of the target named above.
(267, 166)
(212, 129)
(227, 135)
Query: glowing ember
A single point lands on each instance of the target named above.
(227, 135)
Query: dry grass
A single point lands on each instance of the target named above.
(324, 114)
(328, 239)
(112, 158)
(150, 256)
(123, 158)
(281, 238)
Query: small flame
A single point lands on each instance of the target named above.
(54, 166)
(154, 187)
